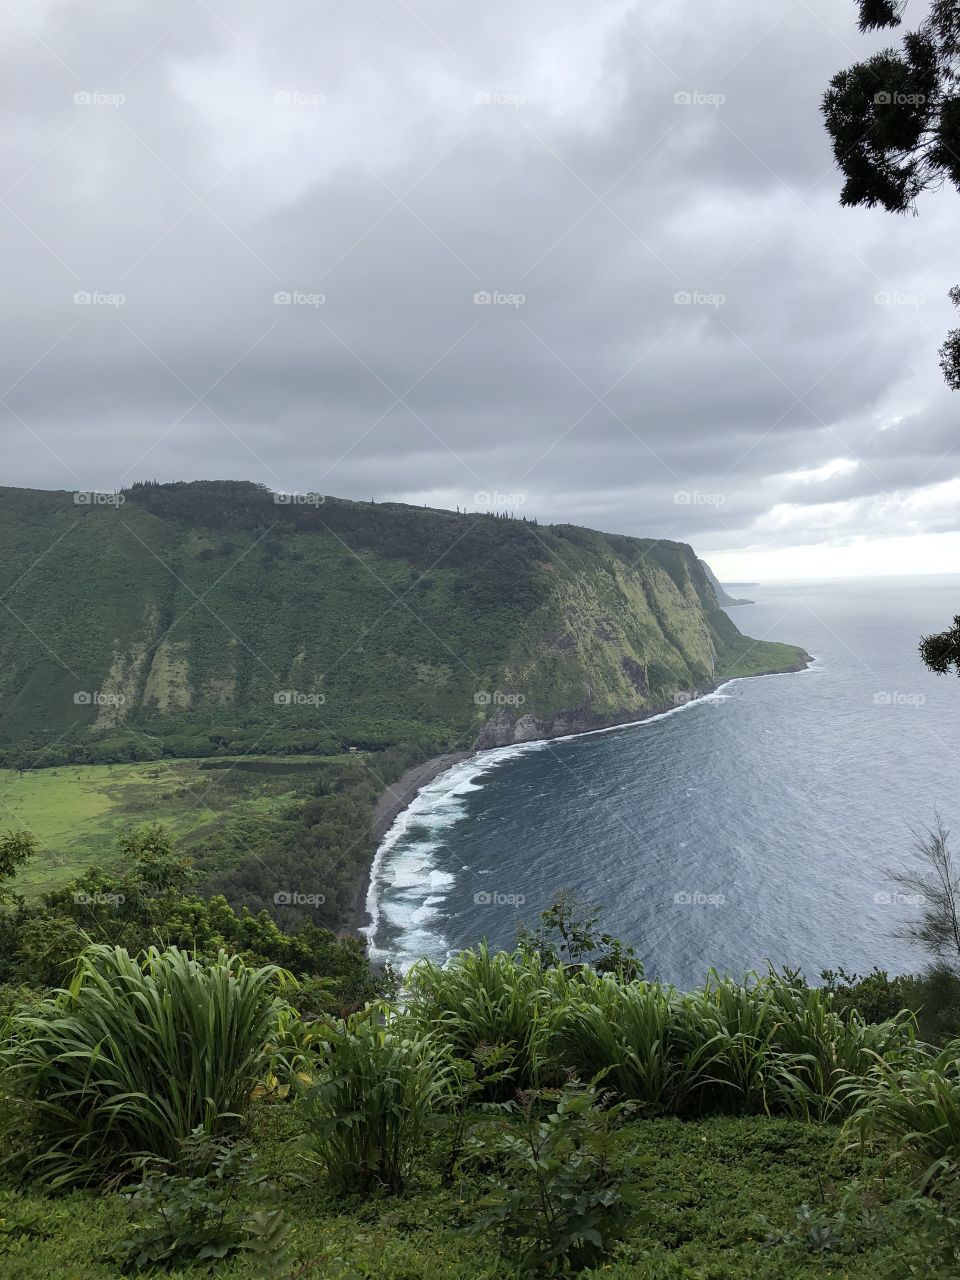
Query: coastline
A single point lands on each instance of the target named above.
(393, 800)
(401, 794)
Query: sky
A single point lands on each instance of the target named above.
(583, 261)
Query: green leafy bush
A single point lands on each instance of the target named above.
(488, 997)
(918, 1108)
(134, 1055)
(917, 1237)
(569, 933)
(188, 1213)
(380, 1081)
(769, 1045)
(557, 1198)
(933, 997)
(631, 1032)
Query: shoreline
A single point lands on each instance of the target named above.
(393, 801)
(398, 797)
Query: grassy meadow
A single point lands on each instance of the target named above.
(76, 811)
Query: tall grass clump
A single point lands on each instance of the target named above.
(483, 999)
(917, 1107)
(769, 1045)
(134, 1056)
(379, 1082)
(633, 1034)
(780, 1048)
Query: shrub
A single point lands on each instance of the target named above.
(134, 1055)
(189, 1214)
(770, 1045)
(631, 1032)
(785, 1050)
(489, 998)
(569, 933)
(557, 1199)
(933, 997)
(380, 1082)
(918, 1107)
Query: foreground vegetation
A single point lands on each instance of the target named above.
(541, 1112)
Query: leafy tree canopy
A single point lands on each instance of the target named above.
(894, 120)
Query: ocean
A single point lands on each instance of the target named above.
(754, 826)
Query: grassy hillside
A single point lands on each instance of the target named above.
(717, 1176)
(208, 618)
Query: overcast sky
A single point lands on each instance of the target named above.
(286, 218)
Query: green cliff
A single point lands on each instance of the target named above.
(215, 617)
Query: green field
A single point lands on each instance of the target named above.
(76, 811)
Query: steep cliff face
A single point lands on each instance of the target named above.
(724, 597)
(212, 617)
(636, 632)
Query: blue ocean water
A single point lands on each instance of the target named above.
(754, 825)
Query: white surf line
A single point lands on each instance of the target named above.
(428, 799)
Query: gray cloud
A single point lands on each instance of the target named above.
(679, 306)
